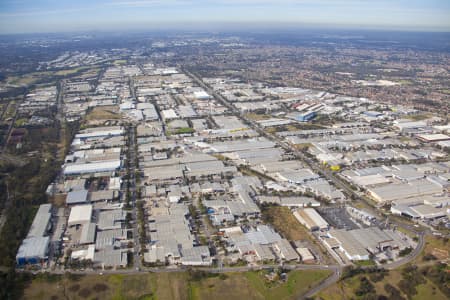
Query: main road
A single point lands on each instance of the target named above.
(131, 189)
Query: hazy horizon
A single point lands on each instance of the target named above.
(48, 16)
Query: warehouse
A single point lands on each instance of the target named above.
(102, 195)
(416, 188)
(33, 250)
(305, 255)
(41, 222)
(76, 197)
(163, 173)
(241, 145)
(359, 243)
(406, 125)
(88, 168)
(305, 117)
(432, 138)
(99, 132)
(372, 114)
(196, 256)
(88, 233)
(309, 218)
(298, 176)
(110, 257)
(201, 95)
(111, 219)
(169, 114)
(429, 212)
(80, 215)
(347, 244)
(285, 251)
(289, 201)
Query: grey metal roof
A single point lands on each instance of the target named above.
(76, 197)
(88, 233)
(32, 247)
(41, 221)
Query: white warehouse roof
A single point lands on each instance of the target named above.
(201, 95)
(102, 166)
(310, 218)
(80, 214)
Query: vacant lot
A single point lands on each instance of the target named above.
(91, 287)
(254, 285)
(285, 223)
(346, 289)
(177, 286)
(103, 113)
(436, 246)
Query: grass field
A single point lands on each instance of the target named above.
(253, 285)
(27, 79)
(419, 117)
(34, 77)
(120, 62)
(70, 71)
(346, 289)
(257, 117)
(285, 223)
(436, 246)
(166, 286)
(103, 113)
(92, 286)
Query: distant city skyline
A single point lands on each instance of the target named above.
(25, 16)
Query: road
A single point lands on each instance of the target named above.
(324, 284)
(59, 102)
(11, 126)
(410, 257)
(132, 155)
(291, 267)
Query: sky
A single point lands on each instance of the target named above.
(32, 16)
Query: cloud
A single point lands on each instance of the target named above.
(149, 3)
(41, 12)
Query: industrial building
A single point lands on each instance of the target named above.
(358, 244)
(41, 222)
(305, 255)
(77, 197)
(305, 117)
(311, 219)
(432, 138)
(95, 167)
(34, 248)
(80, 215)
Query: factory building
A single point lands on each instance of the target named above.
(34, 248)
(358, 244)
(309, 218)
(80, 215)
(306, 117)
(89, 168)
